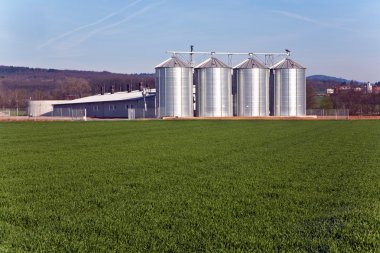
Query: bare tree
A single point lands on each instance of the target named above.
(71, 87)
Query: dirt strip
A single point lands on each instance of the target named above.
(26, 118)
(44, 119)
(280, 118)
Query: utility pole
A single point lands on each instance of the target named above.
(191, 55)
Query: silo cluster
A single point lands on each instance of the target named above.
(250, 89)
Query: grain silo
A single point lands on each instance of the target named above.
(289, 89)
(174, 85)
(251, 85)
(213, 89)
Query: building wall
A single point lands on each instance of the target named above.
(112, 109)
(38, 108)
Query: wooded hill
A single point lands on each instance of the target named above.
(19, 84)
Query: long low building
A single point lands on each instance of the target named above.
(134, 104)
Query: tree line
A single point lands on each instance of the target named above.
(358, 102)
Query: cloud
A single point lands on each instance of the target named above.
(83, 27)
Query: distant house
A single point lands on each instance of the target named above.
(330, 91)
(376, 89)
(369, 88)
(343, 87)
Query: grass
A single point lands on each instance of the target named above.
(180, 186)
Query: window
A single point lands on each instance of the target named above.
(112, 107)
(95, 108)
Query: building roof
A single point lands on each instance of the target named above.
(287, 64)
(108, 97)
(251, 63)
(48, 101)
(173, 62)
(212, 63)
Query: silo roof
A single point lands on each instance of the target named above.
(212, 63)
(251, 63)
(173, 62)
(287, 64)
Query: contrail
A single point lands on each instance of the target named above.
(133, 15)
(50, 41)
(299, 17)
(310, 20)
(136, 14)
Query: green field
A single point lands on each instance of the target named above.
(185, 186)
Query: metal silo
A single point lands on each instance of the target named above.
(251, 82)
(213, 89)
(174, 86)
(289, 89)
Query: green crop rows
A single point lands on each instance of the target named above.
(185, 186)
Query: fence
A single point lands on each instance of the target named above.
(329, 113)
(24, 114)
(74, 114)
(9, 112)
(5, 113)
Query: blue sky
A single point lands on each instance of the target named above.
(332, 37)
